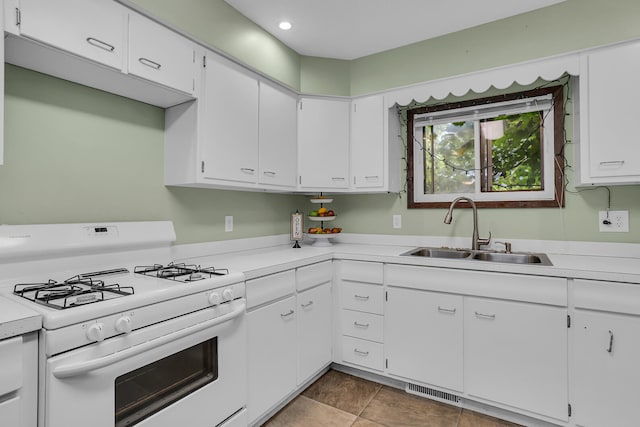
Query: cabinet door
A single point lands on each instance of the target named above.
(423, 337)
(605, 376)
(93, 29)
(323, 143)
(516, 354)
(608, 105)
(277, 137)
(230, 122)
(160, 55)
(367, 142)
(314, 330)
(271, 355)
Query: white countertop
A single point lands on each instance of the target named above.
(16, 319)
(278, 257)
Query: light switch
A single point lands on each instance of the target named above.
(228, 223)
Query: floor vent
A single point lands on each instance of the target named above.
(430, 393)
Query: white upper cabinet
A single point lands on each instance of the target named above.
(609, 93)
(367, 142)
(2, 93)
(160, 55)
(277, 137)
(229, 122)
(323, 144)
(92, 29)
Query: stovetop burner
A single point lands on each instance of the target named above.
(180, 272)
(73, 292)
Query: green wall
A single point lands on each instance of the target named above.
(74, 154)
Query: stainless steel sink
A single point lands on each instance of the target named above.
(490, 256)
(439, 253)
(512, 258)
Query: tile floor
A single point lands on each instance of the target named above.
(341, 400)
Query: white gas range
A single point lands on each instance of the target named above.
(128, 338)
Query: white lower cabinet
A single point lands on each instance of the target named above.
(606, 349)
(314, 330)
(423, 333)
(516, 354)
(272, 355)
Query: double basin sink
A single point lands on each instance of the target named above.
(490, 256)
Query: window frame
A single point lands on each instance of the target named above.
(557, 192)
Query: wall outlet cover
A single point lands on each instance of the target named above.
(613, 221)
(397, 221)
(228, 223)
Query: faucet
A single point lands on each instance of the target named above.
(476, 241)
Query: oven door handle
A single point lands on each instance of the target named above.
(75, 369)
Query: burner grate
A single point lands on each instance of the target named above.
(180, 272)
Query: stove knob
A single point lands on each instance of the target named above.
(227, 294)
(95, 332)
(123, 324)
(214, 298)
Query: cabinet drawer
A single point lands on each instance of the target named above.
(362, 271)
(269, 288)
(313, 275)
(362, 352)
(10, 355)
(362, 325)
(607, 296)
(362, 297)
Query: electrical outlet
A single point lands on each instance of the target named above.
(397, 221)
(228, 223)
(614, 221)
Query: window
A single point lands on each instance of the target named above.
(503, 151)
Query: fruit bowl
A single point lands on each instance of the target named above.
(321, 200)
(321, 218)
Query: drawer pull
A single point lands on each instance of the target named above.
(612, 163)
(247, 170)
(610, 349)
(100, 44)
(361, 297)
(447, 310)
(361, 325)
(287, 314)
(360, 352)
(269, 173)
(149, 63)
(485, 316)
(309, 304)
(371, 177)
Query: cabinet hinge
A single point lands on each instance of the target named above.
(568, 321)
(202, 166)
(355, 108)
(18, 17)
(386, 363)
(300, 105)
(569, 409)
(300, 179)
(386, 295)
(204, 61)
(194, 56)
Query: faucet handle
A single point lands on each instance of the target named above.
(507, 246)
(484, 242)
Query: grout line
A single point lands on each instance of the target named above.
(370, 400)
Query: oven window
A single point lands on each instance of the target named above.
(147, 390)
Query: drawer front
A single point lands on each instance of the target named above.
(362, 325)
(362, 352)
(362, 297)
(313, 275)
(10, 355)
(607, 296)
(269, 288)
(362, 271)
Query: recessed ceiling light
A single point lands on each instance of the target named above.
(285, 25)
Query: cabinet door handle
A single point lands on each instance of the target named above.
(371, 177)
(610, 349)
(361, 297)
(337, 178)
(289, 313)
(485, 316)
(447, 310)
(361, 325)
(149, 63)
(270, 173)
(247, 170)
(360, 352)
(309, 304)
(612, 163)
(99, 43)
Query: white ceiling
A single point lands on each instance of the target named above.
(349, 29)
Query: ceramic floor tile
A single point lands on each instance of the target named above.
(391, 407)
(362, 422)
(475, 419)
(305, 412)
(343, 391)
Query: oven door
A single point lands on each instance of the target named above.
(193, 375)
